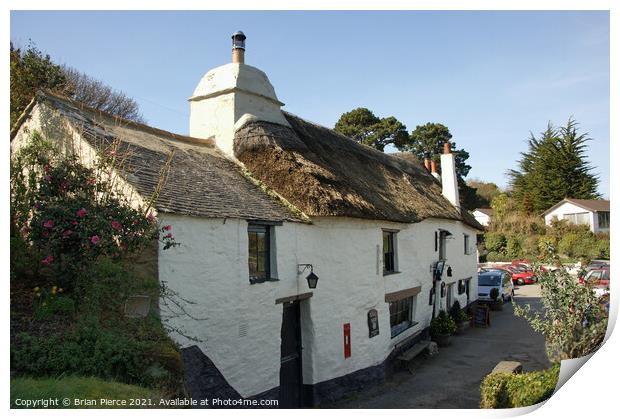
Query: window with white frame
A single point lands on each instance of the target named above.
(466, 244)
(402, 315)
(603, 220)
(578, 218)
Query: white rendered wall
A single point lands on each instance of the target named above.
(570, 208)
(210, 268)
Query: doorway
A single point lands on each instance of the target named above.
(291, 381)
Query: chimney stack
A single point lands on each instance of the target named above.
(427, 163)
(434, 170)
(449, 184)
(238, 47)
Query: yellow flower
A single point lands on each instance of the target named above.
(54, 288)
(53, 291)
(59, 289)
(36, 289)
(38, 294)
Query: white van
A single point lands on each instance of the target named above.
(495, 279)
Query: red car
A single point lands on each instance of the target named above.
(600, 276)
(527, 265)
(520, 275)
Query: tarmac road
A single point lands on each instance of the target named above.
(452, 378)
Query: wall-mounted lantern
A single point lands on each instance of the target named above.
(312, 278)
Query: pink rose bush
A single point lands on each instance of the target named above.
(69, 216)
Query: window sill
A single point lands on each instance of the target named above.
(261, 280)
(413, 323)
(388, 273)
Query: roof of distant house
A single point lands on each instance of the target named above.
(488, 211)
(324, 173)
(200, 180)
(594, 205)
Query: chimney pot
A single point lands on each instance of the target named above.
(446, 148)
(433, 166)
(238, 47)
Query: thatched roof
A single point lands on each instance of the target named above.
(326, 174)
(200, 180)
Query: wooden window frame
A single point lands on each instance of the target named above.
(402, 311)
(265, 228)
(390, 258)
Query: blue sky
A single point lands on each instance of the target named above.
(491, 77)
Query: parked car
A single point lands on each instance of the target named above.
(526, 264)
(520, 276)
(499, 279)
(599, 277)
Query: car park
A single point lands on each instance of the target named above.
(502, 280)
(520, 276)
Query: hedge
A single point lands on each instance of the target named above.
(506, 390)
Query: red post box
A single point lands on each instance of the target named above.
(347, 340)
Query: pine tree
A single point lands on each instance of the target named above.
(553, 168)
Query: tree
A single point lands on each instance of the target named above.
(98, 95)
(427, 141)
(31, 70)
(574, 319)
(553, 168)
(363, 126)
(484, 192)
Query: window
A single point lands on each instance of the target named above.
(603, 220)
(389, 252)
(466, 243)
(401, 315)
(259, 255)
(578, 218)
(442, 244)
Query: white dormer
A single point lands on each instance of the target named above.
(229, 96)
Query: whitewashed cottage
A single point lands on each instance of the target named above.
(267, 205)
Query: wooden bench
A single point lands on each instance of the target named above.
(411, 353)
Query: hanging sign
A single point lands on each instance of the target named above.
(373, 323)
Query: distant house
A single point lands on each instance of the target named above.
(591, 212)
(484, 215)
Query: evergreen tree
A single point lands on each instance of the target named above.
(363, 126)
(553, 168)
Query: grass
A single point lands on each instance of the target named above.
(80, 388)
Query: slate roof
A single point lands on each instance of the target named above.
(324, 173)
(594, 205)
(200, 181)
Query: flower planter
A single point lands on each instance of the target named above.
(442, 340)
(462, 327)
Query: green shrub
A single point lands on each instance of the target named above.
(495, 242)
(505, 390)
(442, 324)
(496, 257)
(457, 313)
(82, 388)
(514, 246)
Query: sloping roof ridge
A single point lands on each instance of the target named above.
(120, 121)
(583, 203)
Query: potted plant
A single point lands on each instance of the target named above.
(496, 302)
(461, 319)
(442, 327)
